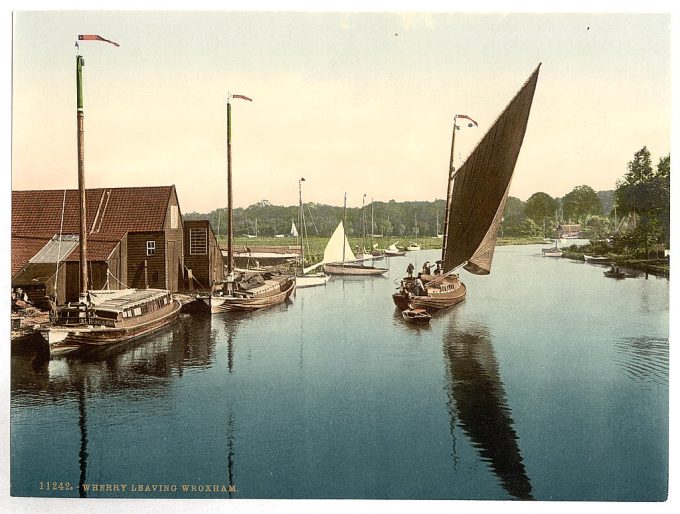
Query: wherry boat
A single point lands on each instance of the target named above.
(483, 181)
(244, 291)
(102, 317)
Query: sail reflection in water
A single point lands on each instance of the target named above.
(478, 405)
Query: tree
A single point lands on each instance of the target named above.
(646, 193)
(581, 201)
(540, 206)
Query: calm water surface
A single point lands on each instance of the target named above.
(549, 382)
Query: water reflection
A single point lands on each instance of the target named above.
(82, 424)
(477, 404)
(132, 367)
(644, 359)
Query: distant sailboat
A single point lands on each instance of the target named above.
(307, 278)
(339, 259)
(483, 181)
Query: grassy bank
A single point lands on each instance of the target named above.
(654, 266)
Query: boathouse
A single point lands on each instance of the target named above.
(134, 239)
(569, 231)
(202, 255)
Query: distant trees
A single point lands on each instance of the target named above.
(540, 206)
(581, 202)
(644, 194)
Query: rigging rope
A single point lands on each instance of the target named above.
(61, 227)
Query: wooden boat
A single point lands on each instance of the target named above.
(311, 280)
(111, 317)
(596, 259)
(413, 247)
(416, 316)
(551, 252)
(244, 291)
(338, 258)
(483, 181)
(250, 293)
(615, 272)
(104, 317)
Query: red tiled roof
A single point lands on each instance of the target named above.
(37, 216)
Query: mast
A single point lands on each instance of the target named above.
(449, 189)
(301, 230)
(344, 228)
(230, 205)
(372, 230)
(81, 177)
(363, 217)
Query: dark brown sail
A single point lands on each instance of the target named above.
(481, 187)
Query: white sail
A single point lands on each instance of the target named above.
(293, 231)
(333, 251)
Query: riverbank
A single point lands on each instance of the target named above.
(656, 266)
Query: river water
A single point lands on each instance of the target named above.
(549, 382)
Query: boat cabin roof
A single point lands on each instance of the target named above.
(130, 298)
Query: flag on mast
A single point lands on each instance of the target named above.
(243, 97)
(94, 37)
(465, 116)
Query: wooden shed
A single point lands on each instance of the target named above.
(135, 239)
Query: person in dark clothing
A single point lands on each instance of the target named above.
(410, 269)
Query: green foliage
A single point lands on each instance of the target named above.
(540, 206)
(581, 202)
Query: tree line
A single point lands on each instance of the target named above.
(639, 209)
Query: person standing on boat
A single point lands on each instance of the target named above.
(409, 269)
(426, 268)
(418, 287)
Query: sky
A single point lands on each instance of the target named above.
(359, 102)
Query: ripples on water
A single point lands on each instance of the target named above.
(643, 359)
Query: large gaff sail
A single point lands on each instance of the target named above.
(481, 187)
(333, 251)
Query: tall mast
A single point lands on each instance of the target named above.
(363, 218)
(449, 189)
(81, 177)
(230, 200)
(344, 227)
(301, 228)
(372, 230)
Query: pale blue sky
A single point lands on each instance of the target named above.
(359, 102)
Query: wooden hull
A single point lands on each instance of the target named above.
(432, 302)
(416, 316)
(397, 253)
(66, 339)
(353, 269)
(252, 303)
(318, 279)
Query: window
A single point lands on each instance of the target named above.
(198, 241)
(150, 248)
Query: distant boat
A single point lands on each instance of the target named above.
(307, 279)
(338, 258)
(552, 252)
(476, 196)
(393, 251)
(615, 272)
(595, 259)
(413, 247)
(244, 291)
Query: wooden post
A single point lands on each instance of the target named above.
(146, 274)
